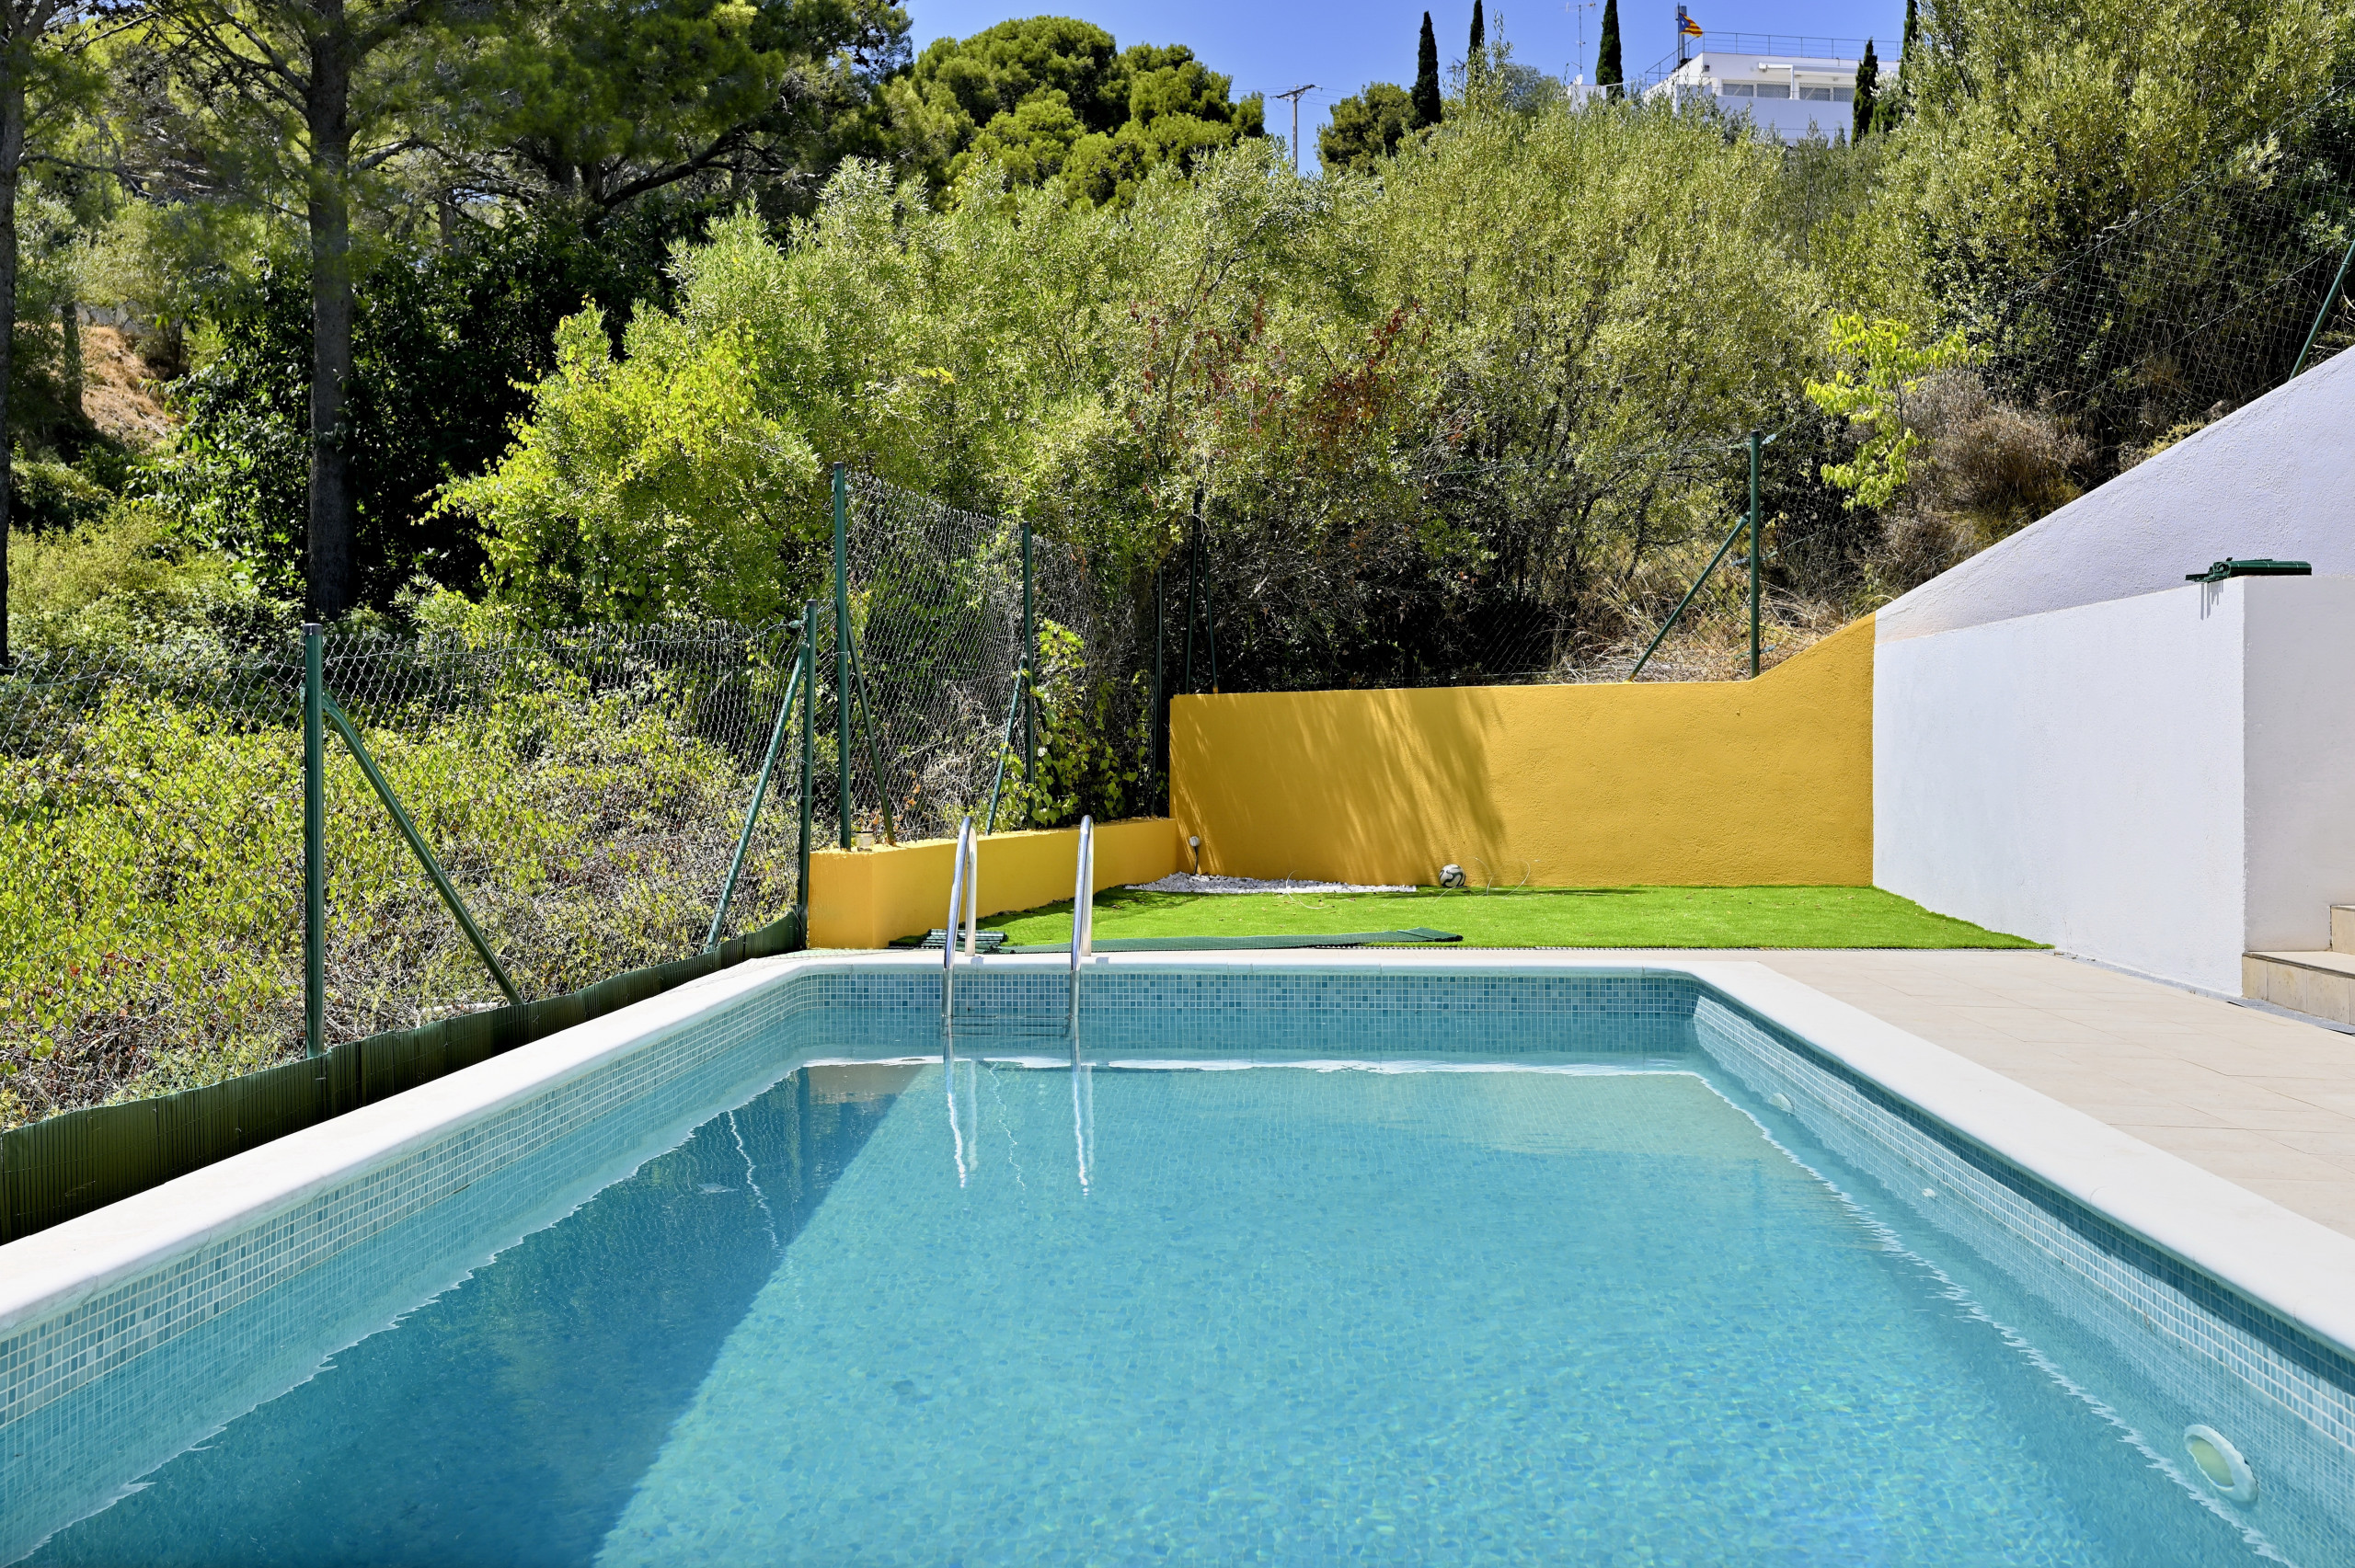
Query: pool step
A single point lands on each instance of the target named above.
(2319, 983)
(1012, 1024)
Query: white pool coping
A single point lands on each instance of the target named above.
(2300, 1269)
(53, 1270)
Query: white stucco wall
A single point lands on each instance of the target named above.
(2073, 777)
(2274, 478)
(2298, 738)
(2161, 781)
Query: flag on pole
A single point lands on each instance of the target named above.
(1685, 26)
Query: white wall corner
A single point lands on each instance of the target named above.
(2299, 719)
(2076, 777)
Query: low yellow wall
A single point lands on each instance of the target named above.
(1719, 784)
(865, 897)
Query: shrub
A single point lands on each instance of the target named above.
(124, 579)
(151, 877)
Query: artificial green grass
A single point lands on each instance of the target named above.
(1532, 917)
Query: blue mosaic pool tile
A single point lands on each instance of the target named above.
(2291, 1395)
(42, 1361)
(2286, 1398)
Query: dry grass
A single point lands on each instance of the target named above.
(119, 390)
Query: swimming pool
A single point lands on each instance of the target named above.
(1413, 1263)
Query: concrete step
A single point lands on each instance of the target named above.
(2321, 985)
(2342, 928)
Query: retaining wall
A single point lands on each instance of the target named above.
(1718, 783)
(867, 897)
(2074, 744)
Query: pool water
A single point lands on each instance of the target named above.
(1585, 1310)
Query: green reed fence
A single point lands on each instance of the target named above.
(70, 1165)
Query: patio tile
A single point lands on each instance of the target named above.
(2261, 1100)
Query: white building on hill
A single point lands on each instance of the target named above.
(1789, 95)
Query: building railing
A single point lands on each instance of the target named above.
(1846, 50)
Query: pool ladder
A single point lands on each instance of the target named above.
(1083, 920)
(1000, 1021)
(960, 1075)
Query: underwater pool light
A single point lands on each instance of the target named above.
(2220, 1463)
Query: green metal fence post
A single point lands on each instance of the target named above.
(873, 751)
(2322, 314)
(809, 759)
(760, 793)
(842, 646)
(315, 832)
(1154, 717)
(1193, 552)
(1753, 554)
(376, 780)
(1029, 707)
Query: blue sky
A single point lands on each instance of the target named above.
(1271, 47)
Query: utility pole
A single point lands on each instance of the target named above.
(1294, 95)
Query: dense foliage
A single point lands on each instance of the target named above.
(2215, 121)
(1367, 127)
(1052, 96)
(444, 344)
(150, 875)
(1055, 277)
(1505, 367)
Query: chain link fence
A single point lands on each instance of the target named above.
(2196, 304)
(937, 600)
(584, 791)
(1496, 578)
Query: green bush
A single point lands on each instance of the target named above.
(150, 878)
(444, 342)
(123, 580)
(1090, 761)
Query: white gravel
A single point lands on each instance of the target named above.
(1187, 882)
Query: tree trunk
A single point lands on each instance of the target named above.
(329, 113)
(69, 323)
(12, 157)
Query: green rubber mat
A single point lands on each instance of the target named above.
(1202, 943)
(1237, 943)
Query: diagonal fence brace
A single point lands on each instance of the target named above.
(1013, 713)
(343, 725)
(760, 793)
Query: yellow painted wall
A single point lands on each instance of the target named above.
(865, 898)
(1717, 783)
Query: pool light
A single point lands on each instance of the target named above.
(2220, 1463)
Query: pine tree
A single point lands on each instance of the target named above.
(1479, 37)
(1427, 108)
(1909, 58)
(1607, 69)
(1891, 108)
(1868, 89)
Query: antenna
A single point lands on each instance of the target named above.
(1294, 95)
(1581, 9)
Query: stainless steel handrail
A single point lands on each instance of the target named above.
(964, 890)
(1083, 920)
(1083, 944)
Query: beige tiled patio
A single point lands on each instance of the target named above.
(2262, 1100)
